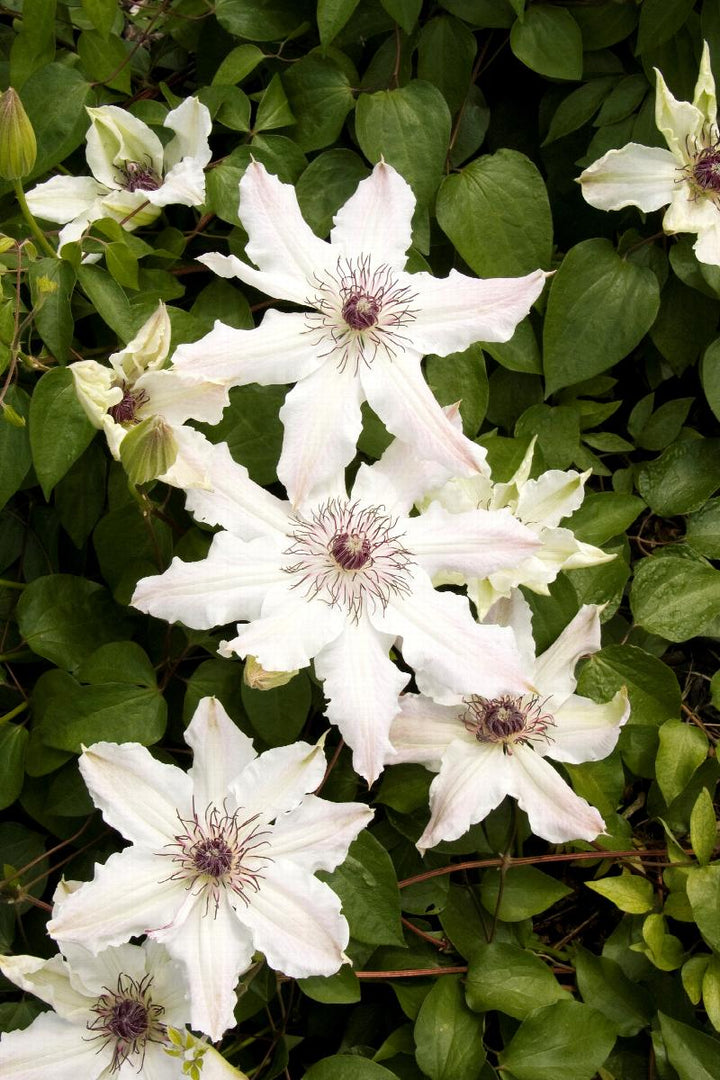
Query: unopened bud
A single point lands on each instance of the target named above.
(18, 148)
(257, 678)
(148, 450)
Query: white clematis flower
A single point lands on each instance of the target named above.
(134, 176)
(221, 862)
(343, 580)
(110, 1018)
(137, 387)
(485, 747)
(370, 325)
(686, 175)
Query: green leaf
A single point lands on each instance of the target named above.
(682, 478)
(263, 20)
(110, 711)
(461, 377)
(279, 715)
(65, 618)
(80, 495)
(237, 65)
(659, 21)
(686, 323)
(692, 1054)
(683, 747)
(404, 12)
(448, 1037)
(711, 991)
(563, 1041)
(598, 309)
(510, 979)
(702, 532)
(108, 299)
(410, 128)
(59, 427)
(51, 284)
(629, 892)
(13, 743)
(105, 60)
(34, 44)
(367, 887)
(326, 185)
(710, 376)
(446, 52)
(252, 430)
(578, 107)
(332, 16)
(548, 41)
(703, 890)
(347, 1067)
(129, 545)
(663, 426)
(273, 110)
(118, 662)
(603, 514)
(523, 891)
(55, 98)
(122, 265)
(15, 452)
(605, 24)
(101, 14)
(602, 981)
(674, 597)
(343, 988)
(703, 827)
(496, 213)
(652, 686)
(319, 92)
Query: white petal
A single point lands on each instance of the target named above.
(290, 631)
(704, 97)
(474, 543)
(147, 350)
(192, 124)
(214, 949)
(177, 400)
(51, 1047)
(288, 253)
(689, 212)
(322, 422)
(450, 653)
(550, 498)
(279, 779)
(422, 731)
(279, 350)
(235, 501)
(362, 686)
(138, 795)
(561, 547)
(680, 122)
(48, 980)
(707, 245)
(514, 611)
(472, 781)
(555, 669)
(95, 389)
(296, 921)
(130, 894)
(220, 752)
(230, 583)
(130, 208)
(377, 219)
(75, 229)
(63, 198)
(642, 176)
(585, 730)
(317, 835)
(397, 392)
(184, 185)
(555, 812)
(116, 137)
(189, 469)
(456, 311)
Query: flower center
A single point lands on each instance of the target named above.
(139, 177)
(127, 1019)
(506, 719)
(349, 555)
(219, 853)
(360, 310)
(125, 410)
(706, 169)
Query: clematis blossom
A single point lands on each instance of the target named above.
(221, 862)
(110, 1015)
(137, 387)
(686, 175)
(133, 175)
(369, 325)
(484, 747)
(344, 579)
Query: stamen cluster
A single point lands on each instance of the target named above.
(506, 719)
(125, 410)
(127, 1017)
(138, 177)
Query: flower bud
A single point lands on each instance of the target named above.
(257, 678)
(18, 148)
(148, 450)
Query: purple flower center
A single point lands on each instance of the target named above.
(127, 1020)
(125, 410)
(351, 551)
(360, 311)
(139, 177)
(706, 169)
(506, 719)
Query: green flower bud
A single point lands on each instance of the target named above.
(18, 148)
(148, 450)
(257, 678)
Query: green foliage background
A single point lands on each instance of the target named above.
(556, 964)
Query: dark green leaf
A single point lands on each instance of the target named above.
(367, 887)
(448, 1037)
(108, 299)
(461, 377)
(263, 20)
(51, 284)
(105, 60)
(652, 686)
(659, 20)
(564, 1041)
(252, 430)
(604, 514)
(55, 99)
(603, 984)
(347, 1067)
(332, 16)
(710, 375)
(326, 185)
(675, 597)
(548, 40)
(578, 108)
(34, 44)
(319, 92)
(404, 12)
(446, 52)
(112, 712)
(14, 445)
(273, 109)
(509, 979)
(278, 715)
(682, 478)
(522, 891)
(694, 1055)
(13, 743)
(59, 427)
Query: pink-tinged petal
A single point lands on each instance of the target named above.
(283, 246)
(48, 980)
(64, 198)
(230, 583)
(585, 730)
(514, 611)
(642, 176)
(295, 920)
(52, 1047)
(137, 794)
(456, 311)
(279, 350)
(555, 812)
(362, 686)
(235, 501)
(397, 392)
(317, 835)
(290, 631)
(475, 543)
(555, 669)
(177, 400)
(450, 653)
(472, 781)
(377, 219)
(130, 895)
(214, 949)
(322, 422)
(422, 731)
(220, 752)
(279, 779)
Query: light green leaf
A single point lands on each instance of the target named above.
(523, 891)
(548, 41)
(604, 514)
(703, 827)
(683, 747)
(674, 597)
(703, 889)
(102, 14)
(509, 979)
(108, 299)
(563, 1041)
(237, 65)
(343, 988)
(702, 531)
(652, 686)
(347, 1067)
(692, 1054)
(34, 44)
(629, 892)
(711, 991)
(448, 1037)
(332, 16)
(273, 110)
(104, 60)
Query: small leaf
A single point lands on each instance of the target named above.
(683, 747)
(522, 891)
(629, 892)
(703, 827)
(703, 889)
(548, 40)
(332, 16)
(510, 979)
